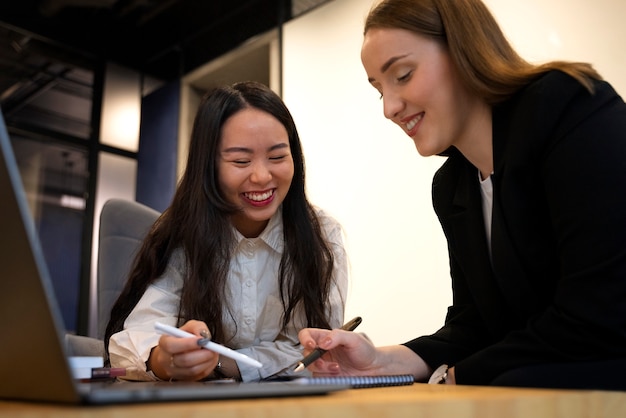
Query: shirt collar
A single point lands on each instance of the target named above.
(272, 235)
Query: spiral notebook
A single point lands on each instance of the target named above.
(354, 382)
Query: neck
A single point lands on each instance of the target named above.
(476, 144)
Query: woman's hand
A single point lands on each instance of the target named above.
(348, 353)
(182, 358)
(351, 353)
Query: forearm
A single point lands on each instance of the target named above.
(399, 359)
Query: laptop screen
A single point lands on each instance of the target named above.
(30, 321)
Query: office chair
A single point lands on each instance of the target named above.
(123, 225)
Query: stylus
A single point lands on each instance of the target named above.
(318, 352)
(206, 343)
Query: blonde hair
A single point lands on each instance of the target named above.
(483, 57)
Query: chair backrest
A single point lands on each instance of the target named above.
(123, 225)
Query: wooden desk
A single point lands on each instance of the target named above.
(416, 401)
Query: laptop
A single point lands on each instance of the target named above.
(34, 365)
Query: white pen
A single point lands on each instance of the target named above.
(206, 343)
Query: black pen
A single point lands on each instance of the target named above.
(318, 352)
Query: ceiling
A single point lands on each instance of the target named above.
(46, 43)
(50, 48)
(161, 37)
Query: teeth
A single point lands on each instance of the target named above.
(411, 124)
(259, 197)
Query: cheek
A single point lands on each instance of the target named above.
(285, 172)
(442, 105)
(227, 181)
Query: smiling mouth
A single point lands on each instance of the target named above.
(259, 197)
(411, 124)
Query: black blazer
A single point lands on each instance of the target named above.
(555, 287)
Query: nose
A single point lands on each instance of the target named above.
(392, 105)
(260, 173)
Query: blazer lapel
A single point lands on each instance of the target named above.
(508, 269)
(463, 223)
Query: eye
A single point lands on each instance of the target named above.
(405, 77)
(278, 157)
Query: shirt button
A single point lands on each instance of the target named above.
(248, 321)
(248, 249)
(249, 283)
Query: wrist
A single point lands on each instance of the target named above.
(226, 369)
(386, 361)
(153, 367)
(218, 371)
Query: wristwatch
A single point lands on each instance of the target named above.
(439, 376)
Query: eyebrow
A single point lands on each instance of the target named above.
(388, 64)
(249, 151)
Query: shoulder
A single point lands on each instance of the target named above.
(556, 93)
(175, 269)
(329, 224)
(553, 106)
(557, 83)
(325, 219)
(553, 83)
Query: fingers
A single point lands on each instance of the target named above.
(182, 358)
(324, 368)
(346, 352)
(176, 344)
(311, 338)
(197, 328)
(191, 365)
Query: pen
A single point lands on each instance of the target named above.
(318, 352)
(207, 343)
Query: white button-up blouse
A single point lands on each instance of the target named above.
(254, 311)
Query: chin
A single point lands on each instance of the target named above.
(261, 215)
(424, 152)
